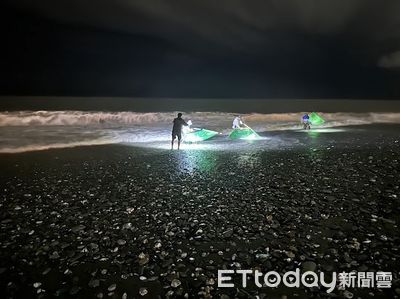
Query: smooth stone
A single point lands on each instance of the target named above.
(309, 266)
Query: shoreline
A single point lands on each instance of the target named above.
(350, 136)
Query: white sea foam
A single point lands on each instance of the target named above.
(39, 130)
(41, 147)
(83, 118)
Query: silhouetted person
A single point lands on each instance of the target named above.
(177, 130)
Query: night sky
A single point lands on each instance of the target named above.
(201, 49)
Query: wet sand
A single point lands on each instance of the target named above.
(109, 220)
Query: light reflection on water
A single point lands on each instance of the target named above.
(17, 139)
(193, 161)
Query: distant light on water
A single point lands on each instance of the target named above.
(327, 130)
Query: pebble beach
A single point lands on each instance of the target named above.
(117, 221)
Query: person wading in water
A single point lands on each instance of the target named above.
(177, 130)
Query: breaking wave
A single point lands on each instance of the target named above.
(276, 120)
(24, 131)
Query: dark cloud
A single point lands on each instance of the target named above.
(224, 48)
(234, 22)
(391, 60)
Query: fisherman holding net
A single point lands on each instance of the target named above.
(306, 122)
(237, 122)
(177, 130)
